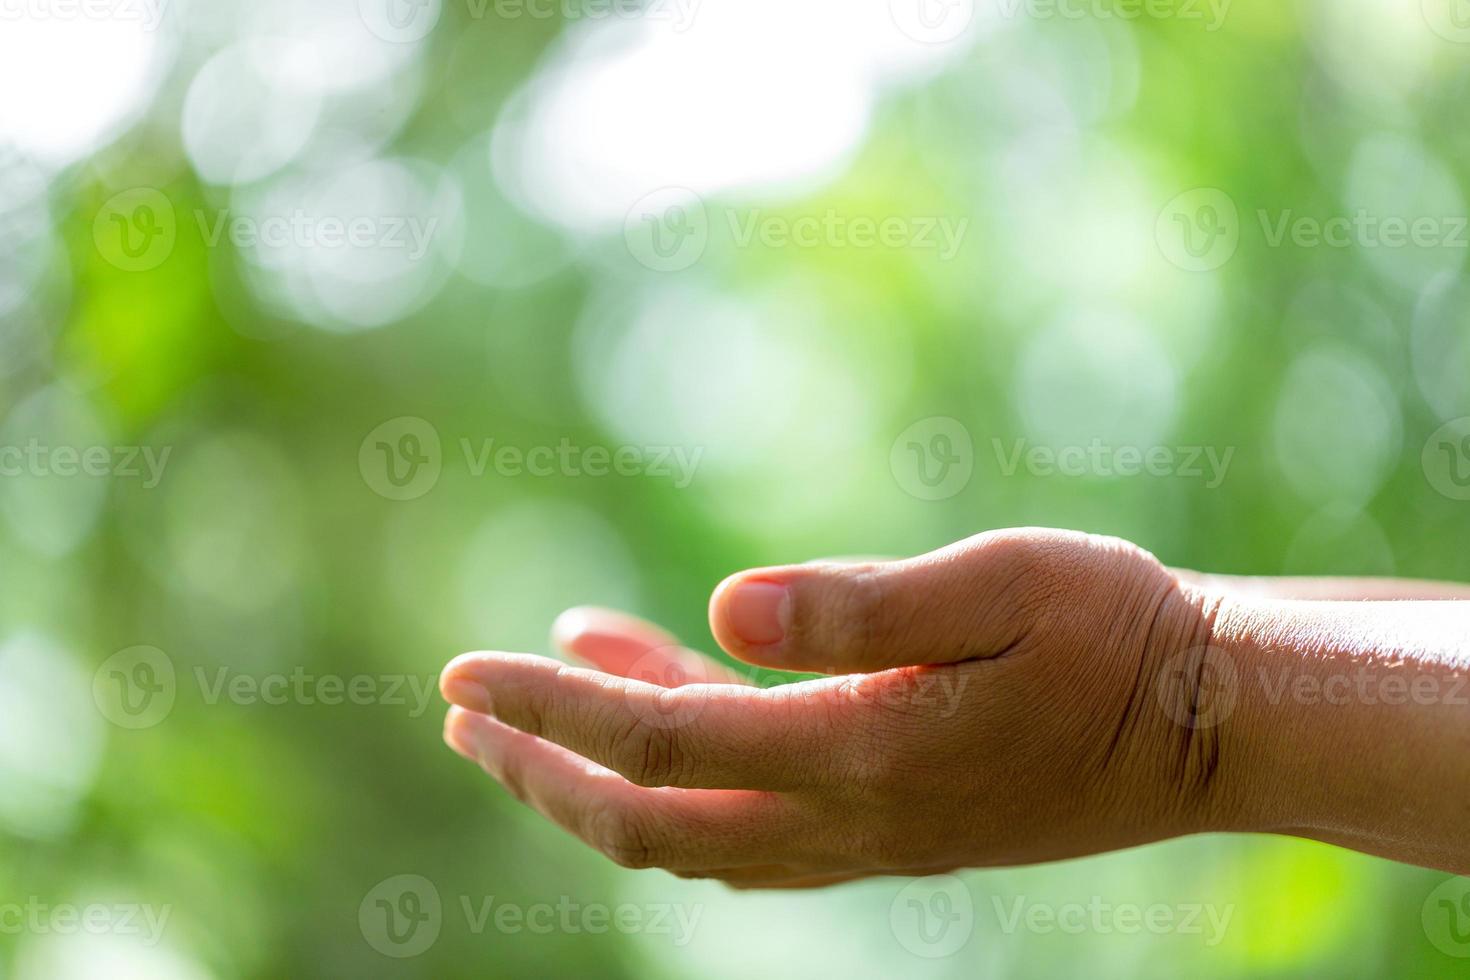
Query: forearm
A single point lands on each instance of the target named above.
(1324, 588)
(1352, 723)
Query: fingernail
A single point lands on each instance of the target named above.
(759, 612)
(468, 695)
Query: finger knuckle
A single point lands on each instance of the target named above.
(623, 835)
(1027, 573)
(856, 618)
(514, 781)
(648, 754)
(533, 710)
(1019, 557)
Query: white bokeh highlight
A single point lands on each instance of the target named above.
(51, 736)
(1337, 428)
(753, 95)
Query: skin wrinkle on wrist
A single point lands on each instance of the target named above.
(1202, 781)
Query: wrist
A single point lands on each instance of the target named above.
(1234, 742)
(1347, 722)
(1268, 751)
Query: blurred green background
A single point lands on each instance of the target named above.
(288, 269)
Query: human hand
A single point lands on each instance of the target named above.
(1021, 696)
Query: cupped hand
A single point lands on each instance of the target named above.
(1021, 696)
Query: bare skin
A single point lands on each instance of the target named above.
(1019, 697)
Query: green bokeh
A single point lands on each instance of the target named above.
(265, 549)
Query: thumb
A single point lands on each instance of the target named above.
(970, 600)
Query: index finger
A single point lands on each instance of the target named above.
(708, 736)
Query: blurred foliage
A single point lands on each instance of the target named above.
(267, 547)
